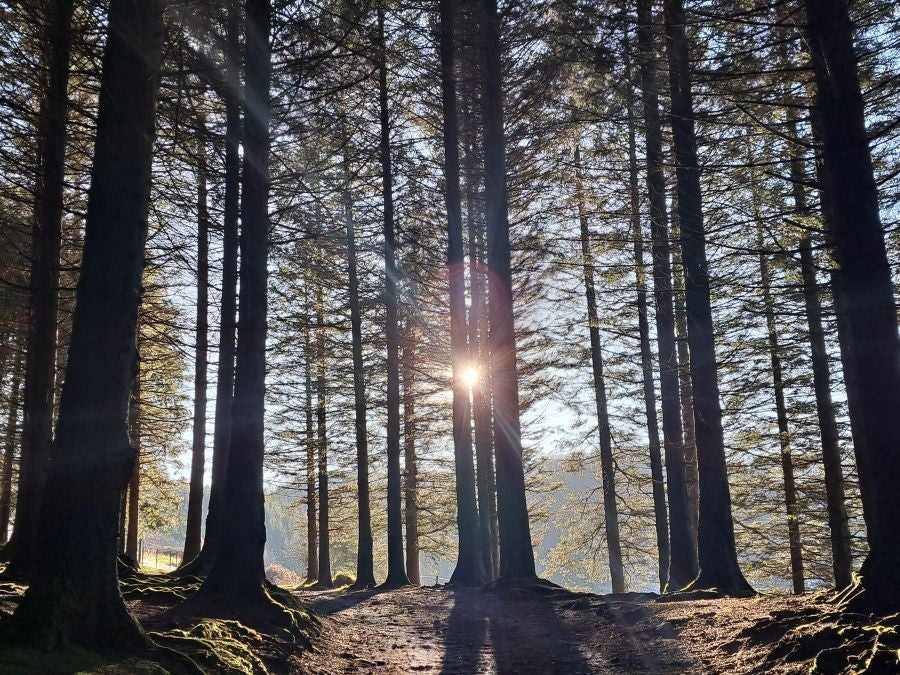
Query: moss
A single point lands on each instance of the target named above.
(343, 578)
(217, 646)
(158, 587)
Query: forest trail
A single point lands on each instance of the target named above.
(462, 631)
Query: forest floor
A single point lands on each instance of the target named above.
(462, 631)
(517, 629)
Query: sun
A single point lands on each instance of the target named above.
(470, 376)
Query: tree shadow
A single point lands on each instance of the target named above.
(327, 604)
(465, 635)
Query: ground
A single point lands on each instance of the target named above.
(436, 629)
(517, 630)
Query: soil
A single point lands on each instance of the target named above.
(462, 631)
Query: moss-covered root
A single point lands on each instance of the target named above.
(158, 587)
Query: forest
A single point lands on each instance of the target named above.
(458, 336)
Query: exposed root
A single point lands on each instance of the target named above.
(158, 587)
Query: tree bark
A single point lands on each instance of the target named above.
(784, 437)
(134, 486)
(841, 553)
(396, 575)
(324, 576)
(73, 599)
(9, 447)
(40, 360)
(237, 575)
(864, 293)
(607, 464)
(411, 482)
(365, 570)
(479, 356)
(470, 562)
(312, 523)
(683, 558)
(193, 532)
(516, 553)
(685, 390)
(717, 551)
(660, 511)
(231, 95)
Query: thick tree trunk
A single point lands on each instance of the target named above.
(134, 484)
(481, 391)
(784, 437)
(201, 565)
(864, 294)
(411, 474)
(324, 576)
(470, 564)
(607, 464)
(193, 532)
(74, 598)
(717, 552)
(40, 360)
(237, 575)
(683, 559)
(9, 445)
(660, 512)
(365, 570)
(312, 523)
(516, 552)
(396, 575)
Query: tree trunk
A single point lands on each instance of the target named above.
(481, 391)
(396, 575)
(470, 563)
(865, 294)
(717, 552)
(193, 534)
(74, 598)
(324, 576)
(607, 464)
(841, 553)
(410, 486)
(685, 390)
(365, 570)
(40, 360)
(660, 511)
(237, 575)
(201, 565)
(312, 525)
(784, 438)
(9, 447)
(516, 553)
(134, 485)
(683, 559)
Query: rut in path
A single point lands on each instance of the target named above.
(463, 631)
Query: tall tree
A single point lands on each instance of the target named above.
(10, 437)
(864, 295)
(516, 552)
(237, 575)
(192, 538)
(717, 551)
(607, 463)
(365, 570)
(73, 598)
(470, 567)
(312, 523)
(231, 95)
(396, 575)
(40, 360)
(324, 579)
(683, 558)
(656, 469)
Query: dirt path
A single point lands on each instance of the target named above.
(435, 629)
